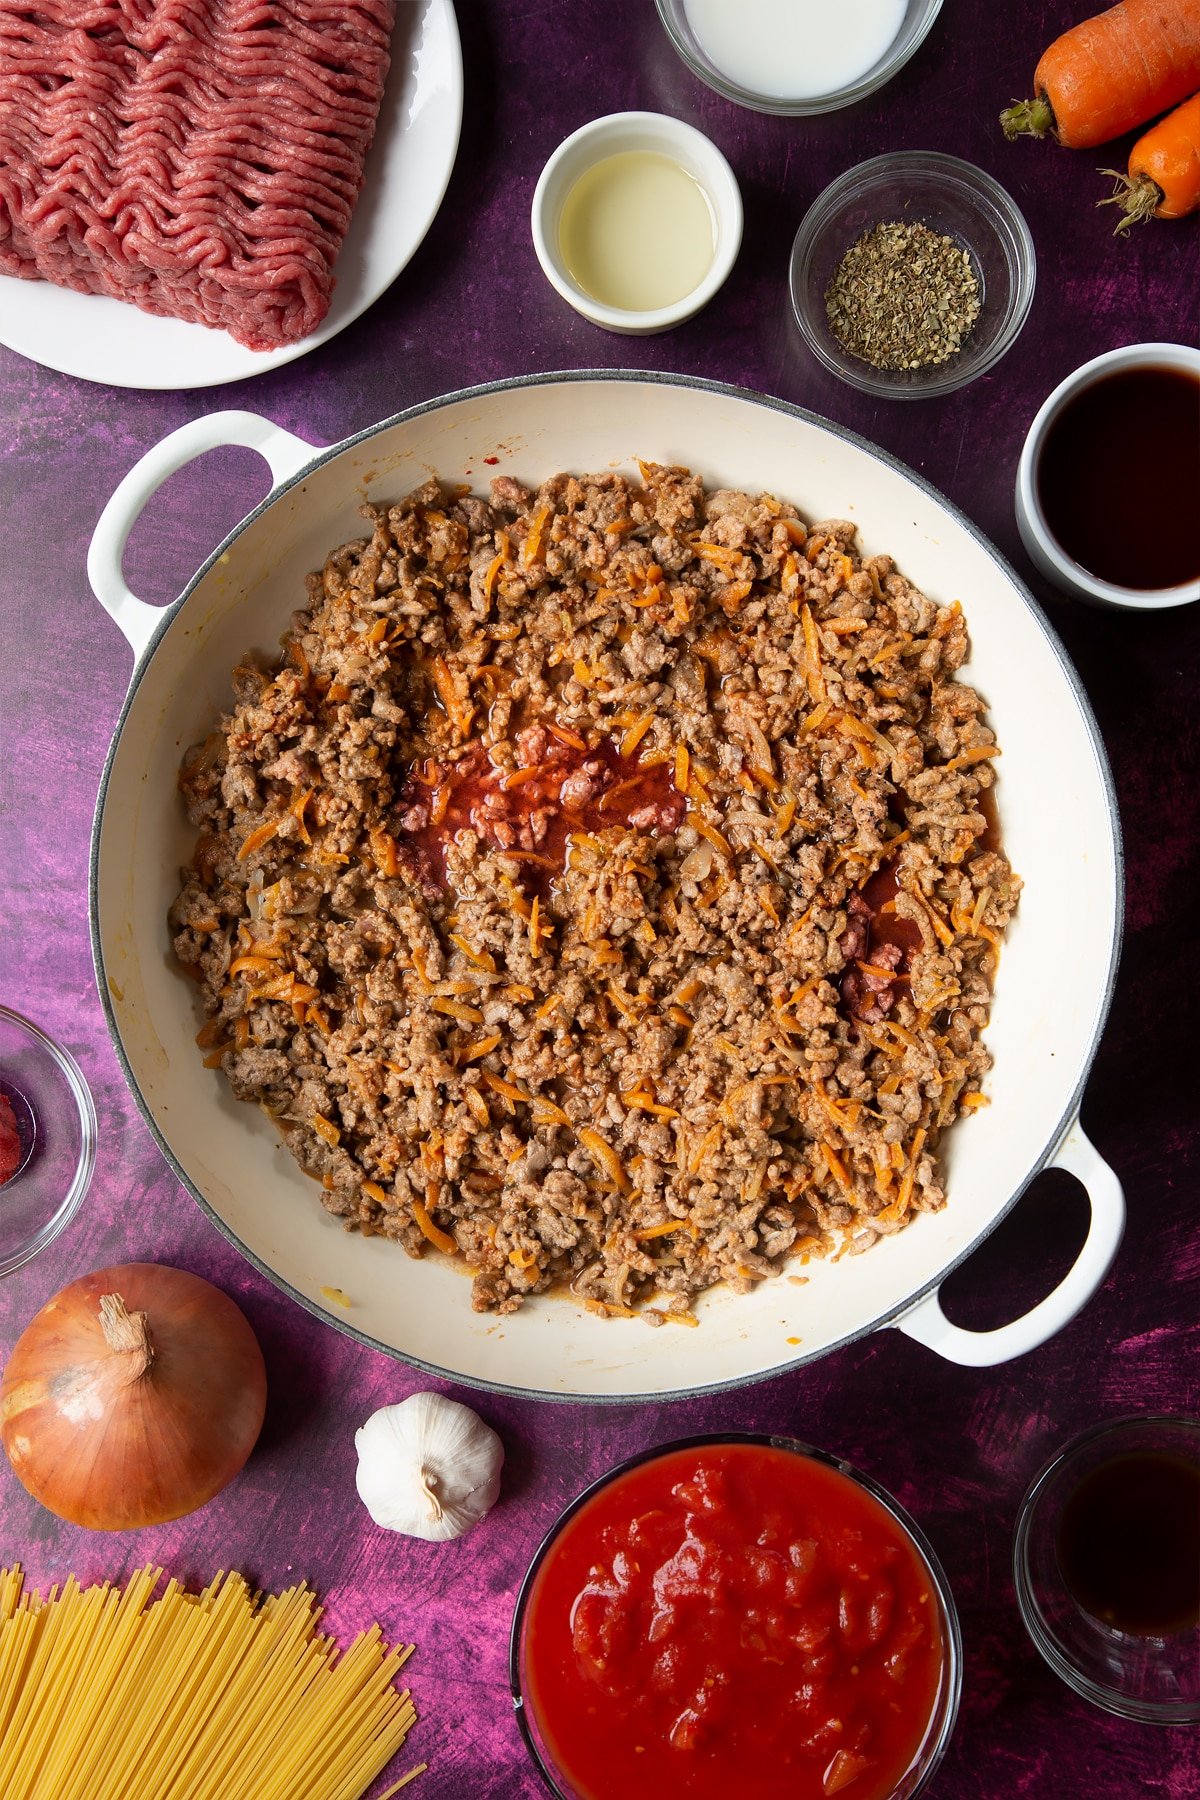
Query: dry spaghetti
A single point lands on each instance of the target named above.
(113, 1694)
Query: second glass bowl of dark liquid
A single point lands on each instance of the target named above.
(1107, 1567)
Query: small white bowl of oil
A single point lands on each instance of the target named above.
(637, 220)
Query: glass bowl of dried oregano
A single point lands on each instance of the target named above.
(912, 274)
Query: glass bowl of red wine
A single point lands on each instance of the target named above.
(47, 1139)
(1107, 1567)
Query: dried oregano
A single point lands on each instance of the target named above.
(902, 297)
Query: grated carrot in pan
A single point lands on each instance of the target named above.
(283, 987)
(262, 834)
(507, 1089)
(493, 571)
(730, 598)
(605, 1157)
(477, 1105)
(516, 898)
(981, 753)
(550, 1109)
(664, 1229)
(438, 1238)
(635, 734)
(714, 837)
(482, 958)
(519, 777)
(255, 964)
(531, 548)
(641, 1099)
(383, 849)
(836, 1167)
(767, 905)
(906, 1185)
(698, 780)
(455, 1009)
(458, 710)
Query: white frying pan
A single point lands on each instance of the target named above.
(1057, 811)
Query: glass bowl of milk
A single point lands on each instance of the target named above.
(796, 56)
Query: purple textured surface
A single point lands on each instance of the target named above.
(956, 1446)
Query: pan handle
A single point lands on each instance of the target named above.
(928, 1324)
(284, 454)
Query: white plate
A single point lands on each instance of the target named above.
(406, 175)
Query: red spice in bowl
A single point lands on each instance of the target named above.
(736, 1615)
(11, 1153)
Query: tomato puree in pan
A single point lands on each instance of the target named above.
(531, 812)
(732, 1619)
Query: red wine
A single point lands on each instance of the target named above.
(1118, 477)
(1129, 1543)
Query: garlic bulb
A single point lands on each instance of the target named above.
(428, 1467)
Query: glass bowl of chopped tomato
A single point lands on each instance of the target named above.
(735, 1614)
(47, 1139)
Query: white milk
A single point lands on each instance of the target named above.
(795, 49)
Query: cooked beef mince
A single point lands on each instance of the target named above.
(600, 887)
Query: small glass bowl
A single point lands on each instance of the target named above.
(1153, 1679)
(56, 1125)
(919, 16)
(953, 198)
(942, 1720)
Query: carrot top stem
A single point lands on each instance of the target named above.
(1138, 196)
(1029, 118)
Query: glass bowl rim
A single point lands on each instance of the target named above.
(81, 1093)
(849, 95)
(950, 1693)
(1111, 1700)
(1002, 217)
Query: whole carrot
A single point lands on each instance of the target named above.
(1163, 181)
(1112, 72)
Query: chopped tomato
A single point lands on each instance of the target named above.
(732, 1619)
(11, 1152)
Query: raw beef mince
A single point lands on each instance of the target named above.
(603, 887)
(199, 158)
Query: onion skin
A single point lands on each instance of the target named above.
(112, 1438)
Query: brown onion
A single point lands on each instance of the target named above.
(132, 1397)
